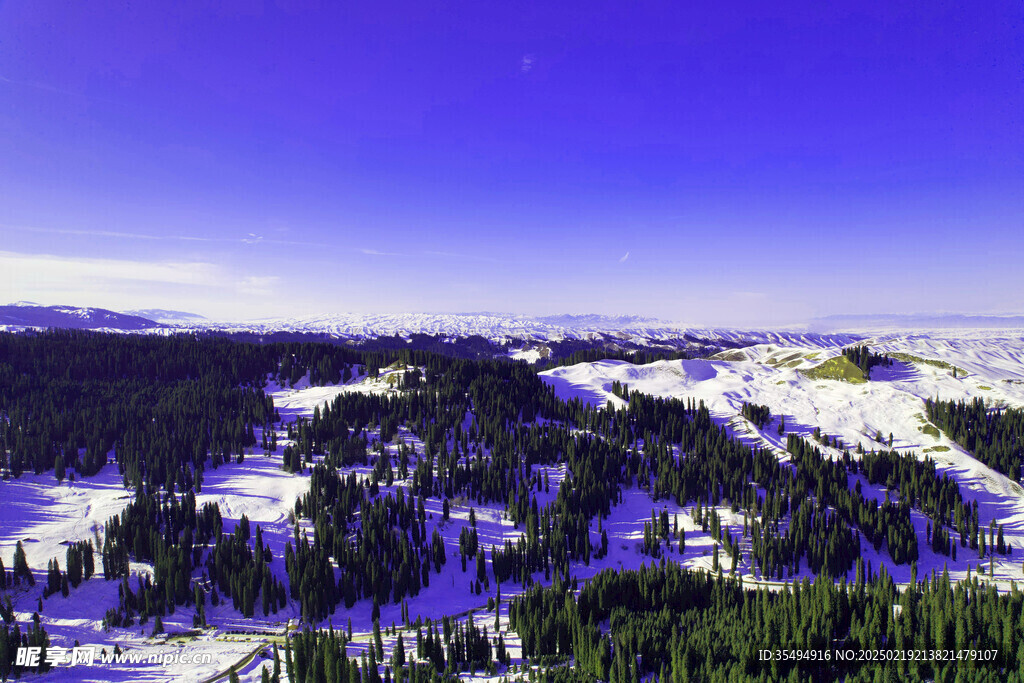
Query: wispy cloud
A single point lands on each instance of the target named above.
(248, 238)
(42, 268)
(258, 284)
(624, 257)
(61, 279)
(464, 257)
(104, 233)
(374, 252)
(46, 87)
(120, 284)
(526, 63)
(41, 86)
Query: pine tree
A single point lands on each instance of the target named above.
(21, 569)
(398, 654)
(288, 661)
(377, 639)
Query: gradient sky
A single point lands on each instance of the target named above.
(722, 163)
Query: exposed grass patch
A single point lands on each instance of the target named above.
(733, 355)
(984, 388)
(931, 430)
(788, 359)
(936, 449)
(839, 368)
(908, 358)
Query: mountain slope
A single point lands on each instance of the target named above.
(23, 315)
(163, 315)
(500, 328)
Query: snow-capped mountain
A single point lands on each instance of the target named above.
(499, 328)
(490, 325)
(504, 328)
(835, 323)
(162, 315)
(25, 314)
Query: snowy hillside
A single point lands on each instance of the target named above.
(891, 403)
(772, 369)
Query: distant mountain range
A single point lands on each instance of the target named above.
(833, 323)
(493, 326)
(499, 328)
(162, 315)
(27, 314)
(496, 328)
(520, 331)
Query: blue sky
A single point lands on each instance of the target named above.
(748, 163)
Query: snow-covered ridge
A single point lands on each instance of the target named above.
(504, 327)
(523, 332)
(953, 321)
(162, 315)
(490, 325)
(25, 314)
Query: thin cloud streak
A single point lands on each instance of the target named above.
(121, 284)
(46, 266)
(40, 86)
(468, 257)
(374, 252)
(45, 87)
(261, 285)
(249, 238)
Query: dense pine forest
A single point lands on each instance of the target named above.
(994, 435)
(165, 411)
(680, 625)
